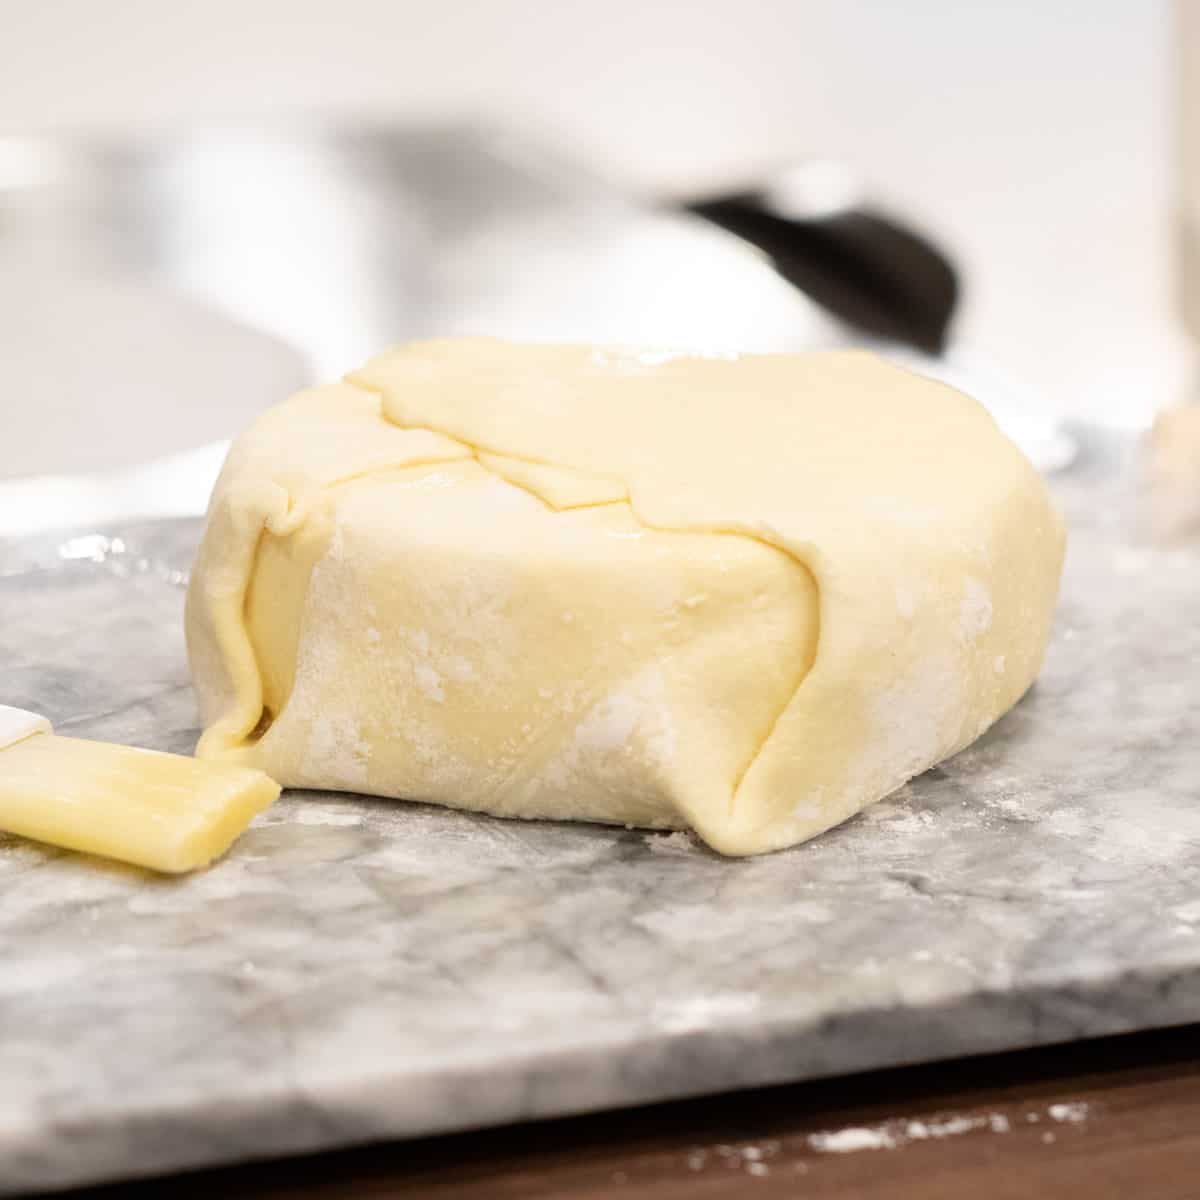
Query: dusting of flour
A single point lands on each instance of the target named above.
(335, 752)
(890, 1135)
(975, 610)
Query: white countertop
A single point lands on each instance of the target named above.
(1036, 144)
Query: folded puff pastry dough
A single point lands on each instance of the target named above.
(745, 595)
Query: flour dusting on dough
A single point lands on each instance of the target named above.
(429, 682)
(975, 611)
(632, 359)
(622, 744)
(609, 725)
(635, 719)
(906, 601)
(914, 722)
(336, 750)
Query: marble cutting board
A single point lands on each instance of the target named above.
(359, 969)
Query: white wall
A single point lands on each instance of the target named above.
(1033, 136)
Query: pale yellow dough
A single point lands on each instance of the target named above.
(744, 595)
(1173, 493)
(167, 812)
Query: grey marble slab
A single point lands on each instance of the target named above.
(358, 969)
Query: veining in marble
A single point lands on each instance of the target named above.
(359, 969)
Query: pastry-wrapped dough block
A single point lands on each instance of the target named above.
(743, 596)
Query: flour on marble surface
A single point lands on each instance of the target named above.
(847, 1141)
(751, 1157)
(901, 1131)
(1073, 1112)
(920, 1131)
(702, 1010)
(890, 1135)
(314, 814)
(674, 845)
(897, 814)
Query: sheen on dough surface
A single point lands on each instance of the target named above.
(745, 595)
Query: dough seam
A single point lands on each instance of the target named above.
(290, 511)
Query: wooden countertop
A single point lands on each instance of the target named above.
(1114, 1118)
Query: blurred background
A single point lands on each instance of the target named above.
(535, 151)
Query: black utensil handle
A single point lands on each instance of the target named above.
(866, 269)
